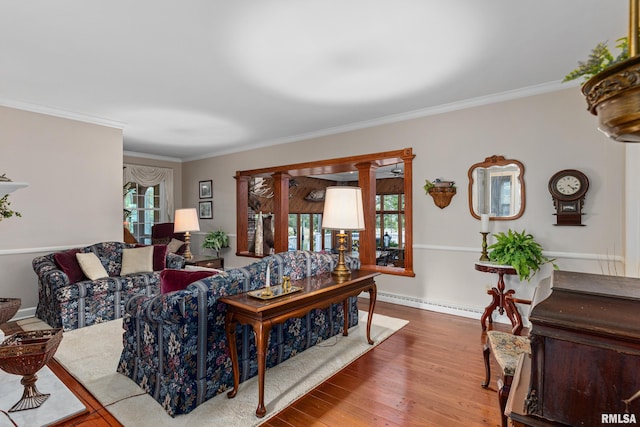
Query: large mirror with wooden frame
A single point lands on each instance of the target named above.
(496, 188)
(286, 203)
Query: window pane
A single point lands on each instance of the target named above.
(305, 231)
(391, 202)
(328, 243)
(317, 233)
(146, 210)
(293, 232)
(391, 229)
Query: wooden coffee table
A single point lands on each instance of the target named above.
(317, 292)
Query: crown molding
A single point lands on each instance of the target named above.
(152, 156)
(57, 112)
(525, 92)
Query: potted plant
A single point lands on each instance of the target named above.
(612, 90)
(519, 250)
(599, 60)
(441, 191)
(5, 211)
(216, 240)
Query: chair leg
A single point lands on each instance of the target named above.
(504, 386)
(487, 366)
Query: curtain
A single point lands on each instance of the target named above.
(150, 176)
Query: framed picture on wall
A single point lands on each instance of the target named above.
(206, 210)
(206, 189)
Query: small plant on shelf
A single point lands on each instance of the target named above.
(519, 250)
(216, 240)
(5, 211)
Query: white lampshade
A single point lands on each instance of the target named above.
(343, 209)
(186, 220)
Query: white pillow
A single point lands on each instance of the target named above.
(91, 266)
(174, 245)
(138, 260)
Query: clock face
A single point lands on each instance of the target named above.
(568, 185)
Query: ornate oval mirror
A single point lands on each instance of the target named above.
(496, 187)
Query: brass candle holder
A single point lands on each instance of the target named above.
(286, 284)
(484, 256)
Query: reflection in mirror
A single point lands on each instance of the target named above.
(496, 187)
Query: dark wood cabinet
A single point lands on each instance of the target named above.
(205, 261)
(585, 350)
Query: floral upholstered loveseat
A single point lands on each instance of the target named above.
(175, 347)
(70, 301)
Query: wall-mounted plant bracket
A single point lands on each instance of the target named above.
(442, 195)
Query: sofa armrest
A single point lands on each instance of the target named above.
(50, 276)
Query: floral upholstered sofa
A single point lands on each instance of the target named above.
(68, 299)
(175, 347)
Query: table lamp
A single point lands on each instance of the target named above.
(186, 220)
(343, 212)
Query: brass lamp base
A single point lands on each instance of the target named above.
(187, 246)
(341, 272)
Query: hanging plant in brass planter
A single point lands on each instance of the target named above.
(613, 93)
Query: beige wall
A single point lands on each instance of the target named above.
(74, 198)
(547, 132)
(75, 175)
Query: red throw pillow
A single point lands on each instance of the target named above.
(68, 263)
(176, 280)
(159, 256)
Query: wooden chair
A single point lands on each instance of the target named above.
(506, 349)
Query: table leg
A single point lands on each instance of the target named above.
(373, 293)
(230, 329)
(262, 338)
(501, 292)
(495, 302)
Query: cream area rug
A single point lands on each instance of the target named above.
(91, 355)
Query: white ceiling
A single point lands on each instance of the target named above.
(194, 78)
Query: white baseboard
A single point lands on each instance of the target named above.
(24, 313)
(462, 311)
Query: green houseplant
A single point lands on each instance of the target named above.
(5, 211)
(599, 60)
(216, 240)
(519, 250)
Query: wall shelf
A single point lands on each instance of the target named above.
(7, 187)
(442, 195)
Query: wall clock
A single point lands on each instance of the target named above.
(568, 189)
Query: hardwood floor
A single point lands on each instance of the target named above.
(427, 374)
